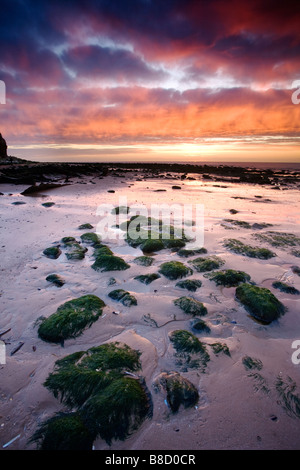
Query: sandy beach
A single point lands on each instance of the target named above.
(237, 408)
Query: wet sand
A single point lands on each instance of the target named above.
(235, 410)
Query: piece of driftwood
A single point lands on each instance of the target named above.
(16, 348)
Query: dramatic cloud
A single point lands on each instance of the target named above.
(116, 71)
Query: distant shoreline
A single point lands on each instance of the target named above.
(17, 171)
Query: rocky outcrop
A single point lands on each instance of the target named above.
(3, 147)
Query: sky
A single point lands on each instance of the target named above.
(155, 80)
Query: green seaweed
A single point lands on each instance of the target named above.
(184, 252)
(236, 246)
(260, 302)
(71, 319)
(239, 223)
(228, 277)
(86, 226)
(296, 253)
(190, 352)
(283, 287)
(55, 279)
(74, 250)
(252, 363)
(100, 386)
(91, 238)
(220, 348)
(120, 210)
(143, 260)
(206, 264)
(109, 263)
(179, 390)
(199, 325)
(53, 252)
(290, 400)
(190, 284)
(190, 306)
(64, 431)
(278, 239)
(121, 295)
(147, 278)
(48, 204)
(174, 270)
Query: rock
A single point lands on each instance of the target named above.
(71, 319)
(52, 252)
(121, 295)
(3, 147)
(260, 302)
(174, 270)
(190, 306)
(179, 390)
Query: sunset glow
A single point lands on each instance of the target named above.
(150, 80)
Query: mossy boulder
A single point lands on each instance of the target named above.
(283, 287)
(64, 431)
(228, 277)
(199, 326)
(52, 252)
(101, 250)
(190, 284)
(238, 247)
(260, 302)
(207, 263)
(184, 252)
(90, 238)
(143, 260)
(174, 270)
(179, 390)
(86, 226)
(71, 319)
(109, 263)
(252, 363)
(66, 240)
(191, 306)
(102, 386)
(121, 295)
(55, 279)
(74, 250)
(150, 246)
(147, 278)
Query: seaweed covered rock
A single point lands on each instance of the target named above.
(174, 270)
(190, 352)
(71, 319)
(240, 248)
(100, 385)
(86, 226)
(190, 284)
(53, 252)
(90, 238)
(107, 262)
(260, 302)
(151, 235)
(184, 252)
(206, 264)
(121, 295)
(228, 277)
(74, 250)
(143, 260)
(199, 326)
(147, 278)
(191, 306)
(55, 279)
(283, 287)
(64, 431)
(179, 390)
